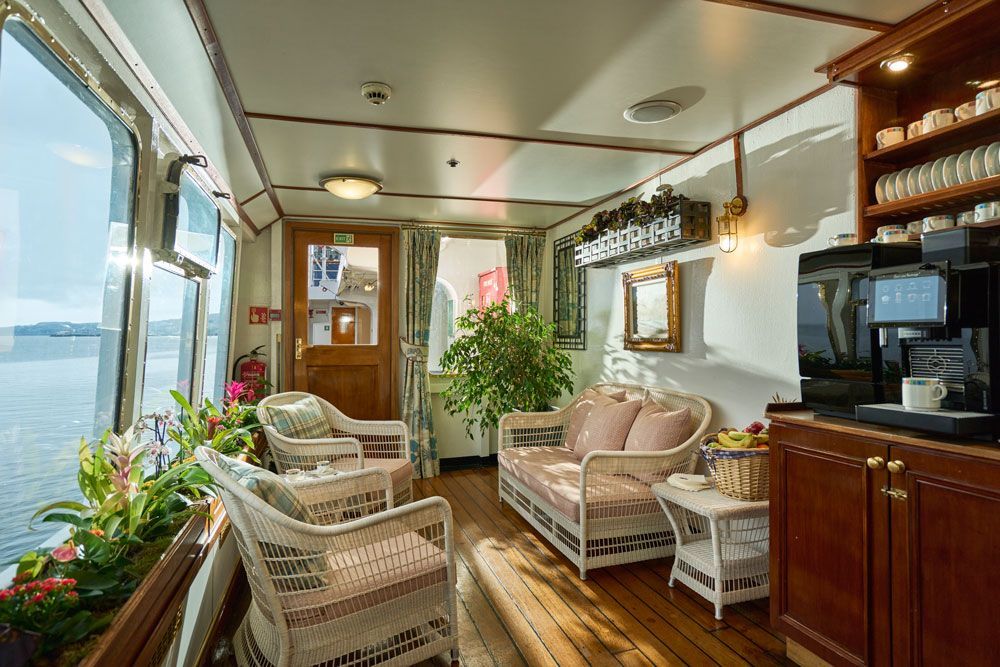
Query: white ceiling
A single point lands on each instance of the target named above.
(559, 69)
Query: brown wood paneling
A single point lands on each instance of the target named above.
(807, 13)
(347, 387)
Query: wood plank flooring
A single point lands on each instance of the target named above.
(522, 603)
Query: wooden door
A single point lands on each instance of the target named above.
(945, 559)
(332, 273)
(830, 545)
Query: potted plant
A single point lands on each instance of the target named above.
(505, 361)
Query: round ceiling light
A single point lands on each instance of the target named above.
(897, 63)
(653, 111)
(351, 187)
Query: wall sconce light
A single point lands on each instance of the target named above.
(728, 223)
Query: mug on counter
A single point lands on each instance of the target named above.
(843, 239)
(914, 129)
(889, 136)
(987, 100)
(938, 118)
(885, 229)
(923, 393)
(966, 111)
(988, 210)
(934, 222)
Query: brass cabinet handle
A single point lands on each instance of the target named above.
(876, 462)
(896, 467)
(298, 348)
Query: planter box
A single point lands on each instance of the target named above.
(689, 223)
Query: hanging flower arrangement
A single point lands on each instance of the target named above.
(633, 211)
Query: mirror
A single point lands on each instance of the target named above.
(343, 295)
(652, 309)
(569, 303)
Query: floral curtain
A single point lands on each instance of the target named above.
(420, 262)
(524, 267)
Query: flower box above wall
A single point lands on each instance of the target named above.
(639, 229)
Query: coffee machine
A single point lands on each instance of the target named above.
(942, 315)
(843, 362)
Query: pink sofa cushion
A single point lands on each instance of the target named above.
(656, 430)
(553, 474)
(588, 400)
(606, 428)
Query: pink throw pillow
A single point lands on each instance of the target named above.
(606, 427)
(588, 399)
(656, 430)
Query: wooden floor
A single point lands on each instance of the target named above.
(522, 603)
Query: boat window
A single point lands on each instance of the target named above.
(67, 181)
(220, 311)
(471, 273)
(173, 311)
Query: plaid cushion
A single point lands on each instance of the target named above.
(302, 420)
(268, 487)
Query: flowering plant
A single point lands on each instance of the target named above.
(49, 605)
(227, 430)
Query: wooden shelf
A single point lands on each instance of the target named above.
(985, 126)
(957, 197)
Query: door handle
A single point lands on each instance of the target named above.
(896, 467)
(298, 348)
(876, 463)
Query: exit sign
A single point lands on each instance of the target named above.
(343, 239)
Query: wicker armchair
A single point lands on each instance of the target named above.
(354, 445)
(599, 511)
(367, 584)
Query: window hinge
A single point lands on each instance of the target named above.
(895, 494)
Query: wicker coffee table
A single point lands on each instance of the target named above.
(721, 544)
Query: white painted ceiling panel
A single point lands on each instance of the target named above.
(260, 210)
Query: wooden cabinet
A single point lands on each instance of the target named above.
(884, 553)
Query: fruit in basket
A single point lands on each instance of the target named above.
(755, 428)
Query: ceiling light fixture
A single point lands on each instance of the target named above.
(897, 63)
(351, 187)
(653, 111)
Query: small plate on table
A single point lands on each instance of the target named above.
(979, 163)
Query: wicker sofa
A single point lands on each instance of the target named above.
(599, 511)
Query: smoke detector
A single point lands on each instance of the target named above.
(376, 93)
(653, 111)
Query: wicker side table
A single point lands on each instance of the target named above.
(721, 550)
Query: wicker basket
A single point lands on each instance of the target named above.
(743, 474)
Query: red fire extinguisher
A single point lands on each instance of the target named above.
(252, 369)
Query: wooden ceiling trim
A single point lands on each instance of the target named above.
(411, 195)
(411, 221)
(252, 197)
(209, 39)
(871, 52)
(807, 13)
(460, 133)
(113, 32)
(718, 142)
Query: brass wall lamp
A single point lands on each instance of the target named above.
(736, 207)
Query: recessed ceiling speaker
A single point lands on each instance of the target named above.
(653, 111)
(376, 93)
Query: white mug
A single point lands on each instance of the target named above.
(966, 111)
(914, 129)
(938, 118)
(923, 393)
(988, 210)
(987, 100)
(966, 218)
(889, 136)
(884, 229)
(938, 222)
(895, 236)
(843, 239)
(915, 227)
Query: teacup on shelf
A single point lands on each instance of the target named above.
(885, 229)
(889, 136)
(934, 222)
(915, 227)
(966, 218)
(914, 129)
(987, 100)
(895, 236)
(938, 118)
(843, 239)
(987, 211)
(966, 111)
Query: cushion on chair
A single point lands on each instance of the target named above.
(606, 427)
(302, 420)
(267, 486)
(553, 474)
(367, 576)
(588, 400)
(656, 430)
(399, 469)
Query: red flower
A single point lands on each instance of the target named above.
(65, 553)
(213, 424)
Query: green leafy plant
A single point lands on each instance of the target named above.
(208, 426)
(50, 606)
(504, 361)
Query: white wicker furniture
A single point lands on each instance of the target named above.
(722, 544)
(600, 511)
(354, 444)
(377, 588)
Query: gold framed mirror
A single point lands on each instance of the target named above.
(653, 308)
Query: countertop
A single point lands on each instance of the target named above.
(889, 434)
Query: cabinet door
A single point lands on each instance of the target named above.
(830, 545)
(945, 559)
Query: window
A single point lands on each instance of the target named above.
(220, 310)
(67, 180)
(173, 309)
(471, 273)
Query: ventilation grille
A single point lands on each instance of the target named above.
(945, 363)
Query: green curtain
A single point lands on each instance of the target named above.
(420, 263)
(524, 267)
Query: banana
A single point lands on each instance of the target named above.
(738, 435)
(762, 438)
(726, 441)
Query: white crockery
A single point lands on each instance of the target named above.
(843, 239)
(914, 129)
(880, 195)
(889, 136)
(964, 167)
(992, 160)
(938, 118)
(926, 184)
(950, 172)
(966, 218)
(934, 222)
(979, 163)
(987, 100)
(915, 227)
(900, 183)
(966, 111)
(988, 210)
(923, 393)
(913, 181)
(890, 187)
(885, 229)
(896, 236)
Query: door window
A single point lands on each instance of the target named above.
(343, 295)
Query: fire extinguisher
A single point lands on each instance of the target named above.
(252, 369)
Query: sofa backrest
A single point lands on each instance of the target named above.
(670, 399)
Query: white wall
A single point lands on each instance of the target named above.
(738, 309)
(254, 290)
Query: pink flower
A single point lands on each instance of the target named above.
(235, 390)
(64, 553)
(213, 424)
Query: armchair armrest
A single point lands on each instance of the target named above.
(343, 453)
(534, 429)
(388, 439)
(335, 498)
